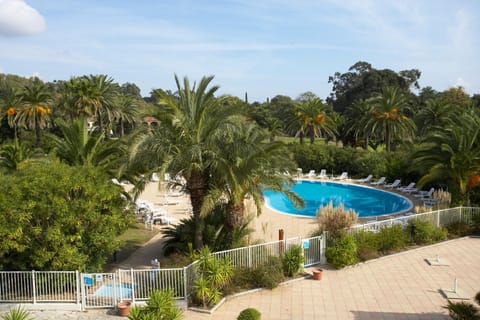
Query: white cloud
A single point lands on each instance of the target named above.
(17, 18)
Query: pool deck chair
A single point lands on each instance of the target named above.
(394, 184)
(425, 194)
(367, 179)
(379, 181)
(310, 174)
(408, 189)
(343, 176)
(322, 174)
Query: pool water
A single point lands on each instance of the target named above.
(123, 291)
(366, 201)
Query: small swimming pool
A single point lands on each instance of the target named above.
(121, 291)
(366, 201)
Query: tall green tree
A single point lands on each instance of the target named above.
(388, 118)
(452, 155)
(358, 115)
(436, 114)
(186, 142)
(35, 113)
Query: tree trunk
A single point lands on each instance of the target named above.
(387, 138)
(197, 187)
(312, 137)
(301, 138)
(235, 215)
(38, 134)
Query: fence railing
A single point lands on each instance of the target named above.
(106, 289)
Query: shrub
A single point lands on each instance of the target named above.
(160, 305)
(391, 238)
(268, 275)
(336, 220)
(367, 245)
(425, 232)
(17, 314)
(249, 314)
(292, 260)
(342, 253)
(459, 228)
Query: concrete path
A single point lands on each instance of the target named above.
(402, 286)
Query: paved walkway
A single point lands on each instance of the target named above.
(400, 287)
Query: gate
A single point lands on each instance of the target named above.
(102, 290)
(314, 250)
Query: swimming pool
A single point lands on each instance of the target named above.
(366, 201)
(122, 291)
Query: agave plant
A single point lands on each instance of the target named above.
(17, 314)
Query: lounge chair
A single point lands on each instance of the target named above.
(323, 174)
(379, 181)
(155, 177)
(310, 174)
(343, 176)
(425, 194)
(169, 201)
(409, 188)
(366, 180)
(394, 184)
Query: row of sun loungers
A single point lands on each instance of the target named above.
(322, 175)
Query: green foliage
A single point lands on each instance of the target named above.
(249, 314)
(213, 275)
(391, 238)
(268, 275)
(462, 310)
(342, 253)
(426, 232)
(160, 305)
(56, 217)
(215, 235)
(367, 245)
(292, 260)
(459, 229)
(17, 314)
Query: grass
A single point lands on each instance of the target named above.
(132, 239)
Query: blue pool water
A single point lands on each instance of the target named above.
(366, 201)
(123, 291)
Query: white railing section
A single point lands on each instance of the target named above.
(100, 290)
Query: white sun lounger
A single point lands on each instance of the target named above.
(343, 176)
(379, 181)
(394, 184)
(367, 179)
(323, 174)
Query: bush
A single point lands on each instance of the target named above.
(391, 238)
(425, 232)
(17, 314)
(367, 245)
(292, 260)
(342, 253)
(459, 229)
(249, 314)
(160, 305)
(268, 275)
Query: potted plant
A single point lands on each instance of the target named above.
(317, 274)
(123, 308)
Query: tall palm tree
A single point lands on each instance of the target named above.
(314, 118)
(186, 141)
(246, 167)
(452, 154)
(359, 114)
(124, 111)
(35, 113)
(10, 103)
(388, 118)
(274, 127)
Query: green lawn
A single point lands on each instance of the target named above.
(132, 239)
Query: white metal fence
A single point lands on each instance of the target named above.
(100, 290)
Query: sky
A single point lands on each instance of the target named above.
(262, 47)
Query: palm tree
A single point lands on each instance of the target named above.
(436, 114)
(13, 155)
(10, 103)
(359, 114)
(388, 117)
(79, 146)
(124, 111)
(246, 167)
(452, 154)
(186, 142)
(273, 126)
(314, 119)
(36, 111)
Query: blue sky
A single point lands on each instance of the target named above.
(263, 47)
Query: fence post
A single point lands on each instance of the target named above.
(323, 247)
(249, 257)
(34, 287)
(185, 284)
(132, 281)
(281, 242)
(77, 281)
(82, 288)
